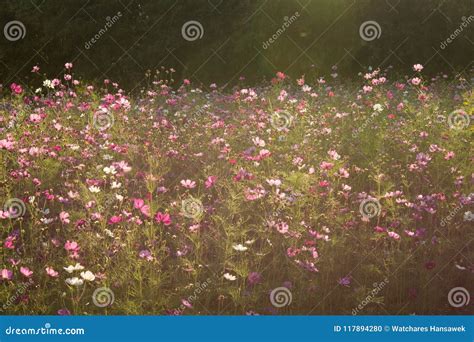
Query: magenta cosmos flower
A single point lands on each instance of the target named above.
(163, 218)
(254, 278)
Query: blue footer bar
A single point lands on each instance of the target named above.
(237, 328)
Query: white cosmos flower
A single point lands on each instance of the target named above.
(109, 233)
(275, 182)
(48, 84)
(378, 107)
(110, 170)
(88, 275)
(240, 247)
(94, 189)
(71, 268)
(258, 142)
(229, 276)
(75, 281)
(115, 185)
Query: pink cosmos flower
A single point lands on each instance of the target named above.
(264, 153)
(379, 229)
(115, 219)
(7, 144)
(145, 254)
(163, 218)
(326, 166)
(186, 303)
(145, 210)
(345, 281)
(415, 81)
(418, 67)
(280, 75)
(282, 227)
(254, 194)
(35, 118)
(26, 271)
(188, 184)
(211, 180)
(10, 242)
(449, 155)
(64, 312)
(72, 246)
(64, 217)
(16, 88)
(51, 272)
(394, 235)
(139, 203)
(6, 274)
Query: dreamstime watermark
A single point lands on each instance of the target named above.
(192, 30)
(370, 30)
(192, 208)
(286, 24)
(370, 208)
(14, 30)
(468, 215)
(102, 297)
(103, 120)
(109, 201)
(465, 23)
(200, 287)
(451, 215)
(46, 330)
(457, 119)
(280, 297)
(195, 116)
(377, 287)
(14, 208)
(281, 120)
(18, 293)
(458, 297)
(110, 22)
(364, 125)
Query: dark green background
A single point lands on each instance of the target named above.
(148, 35)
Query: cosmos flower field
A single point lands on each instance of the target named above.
(305, 196)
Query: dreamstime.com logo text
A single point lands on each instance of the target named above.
(370, 297)
(110, 22)
(46, 330)
(20, 291)
(197, 291)
(465, 23)
(286, 24)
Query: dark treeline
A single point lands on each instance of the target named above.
(121, 40)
